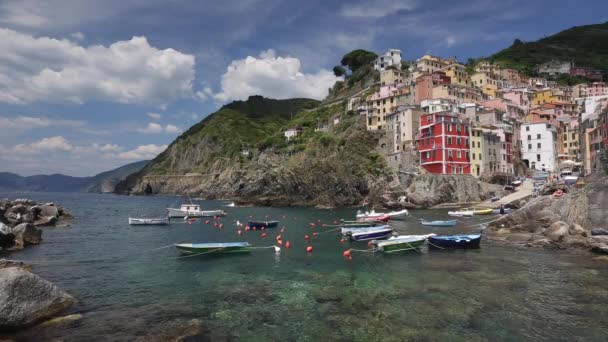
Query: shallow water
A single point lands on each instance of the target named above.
(128, 291)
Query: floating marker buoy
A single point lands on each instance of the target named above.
(255, 228)
(342, 240)
(287, 244)
(350, 257)
(315, 234)
(206, 221)
(221, 225)
(247, 228)
(313, 224)
(263, 228)
(308, 249)
(283, 230)
(369, 244)
(239, 232)
(347, 253)
(263, 235)
(335, 222)
(306, 237)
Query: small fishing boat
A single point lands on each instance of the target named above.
(484, 211)
(505, 211)
(193, 210)
(374, 215)
(230, 205)
(384, 218)
(213, 248)
(354, 229)
(264, 224)
(401, 243)
(148, 221)
(455, 241)
(370, 234)
(461, 213)
(438, 223)
(361, 224)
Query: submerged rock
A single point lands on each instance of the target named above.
(26, 299)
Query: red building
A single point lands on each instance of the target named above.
(443, 143)
(425, 84)
(587, 72)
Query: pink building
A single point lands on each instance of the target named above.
(597, 89)
(425, 84)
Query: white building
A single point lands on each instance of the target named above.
(539, 146)
(292, 132)
(402, 126)
(436, 105)
(390, 57)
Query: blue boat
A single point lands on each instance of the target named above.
(265, 224)
(447, 223)
(370, 234)
(455, 241)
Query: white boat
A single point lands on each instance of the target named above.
(230, 205)
(148, 221)
(193, 210)
(350, 230)
(374, 214)
(461, 213)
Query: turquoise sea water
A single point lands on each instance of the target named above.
(129, 291)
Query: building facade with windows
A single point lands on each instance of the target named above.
(443, 143)
(392, 57)
(539, 146)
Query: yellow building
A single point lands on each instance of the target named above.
(476, 151)
(390, 76)
(542, 96)
(457, 74)
(569, 141)
(384, 102)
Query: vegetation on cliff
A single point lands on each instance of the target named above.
(583, 45)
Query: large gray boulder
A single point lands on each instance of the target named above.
(49, 210)
(26, 234)
(26, 299)
(557, 231)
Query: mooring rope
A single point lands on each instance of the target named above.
(364, 250)
(329, 231)
(197, 254)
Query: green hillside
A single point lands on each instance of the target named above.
(584, 45)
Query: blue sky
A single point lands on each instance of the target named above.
(86, 86)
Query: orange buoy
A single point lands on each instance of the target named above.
(287, 244)
(264, 235)
(308, 249)
(347, 253)
(306, 237)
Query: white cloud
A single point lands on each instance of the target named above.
(376, 9)
(43, 69)
(156, 116)
(143, 152)
(57, 143)
(172, 129)
(151, 128)
(23, 123)
(77, 35)
(274, 77)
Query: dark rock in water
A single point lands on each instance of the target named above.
(49, 210)
(26, 234)
(9, 263)
(26, 299)
(46, 221)
(599, 231)
(7, 240)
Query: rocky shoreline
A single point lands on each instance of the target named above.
(25, 298)
(574, 221)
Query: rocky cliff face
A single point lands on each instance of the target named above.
(429, 190)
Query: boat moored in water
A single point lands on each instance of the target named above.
(455, 241)
(374, 215)
(369, 233)
(213, 248)
(263, 224)
(193, 210)
(401, 243)
(351, 229)
(148, 221)
(484, 211)
(384, 218)
(438, 223)
(461, 213)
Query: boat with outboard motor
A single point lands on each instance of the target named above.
(401, 243)
(148, 221)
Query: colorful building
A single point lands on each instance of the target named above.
(443, 143)
(539, 146)
(392, 57)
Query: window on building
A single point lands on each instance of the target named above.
(458, 141)
(529, 146)
(459, 154)
(538, 136)
(529, 137)
(548, 125)
(450, 154)
(473, 155)
(566, 144)
(527, 128)
(573, 136)
(538, 145)
(449, 140)
(449, 127)
(479, 144)
(428, 155)
(538, 157)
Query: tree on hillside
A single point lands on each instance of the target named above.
(357, 58)
(339, 71)
(517, 42)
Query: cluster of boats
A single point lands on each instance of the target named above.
(483, 211)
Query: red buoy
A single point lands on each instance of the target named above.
(283, 230)
(264, 235)
(221, 225)
(347, 253)
(263, 228)
(312, 224)
(247, 228)
(315, 234)
(369, 244)
(308, 249)
(206, 221)
(342, 240)
(287, 244)
(306, 237)
(239, 232)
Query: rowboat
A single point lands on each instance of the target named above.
(455, 241)
(263, 224)
(370, 234)
(213, 248)
(148, 221)
(438, 223)
(361, 224)
(461, 213)
(374, 215)
(505, 211)
(193, 210)
(384, 218)
(486, 211)
(401, 243)
(354, 229)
